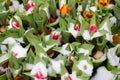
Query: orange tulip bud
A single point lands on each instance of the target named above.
(87, 14)
(64, 9)
(103, 3)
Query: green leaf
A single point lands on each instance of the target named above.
(75, 46)
(32, 39)
(93, 20)
(3, 17)
(52, 7)
(28, 74)
(71, 4)
(117, 9)
(62, 24)
(105, 25)
(87, 47)
(40, 4)
(84, 3)
(27, 19)
(4, 58)
(118, 52)
(15, 72)
(84, 26)
(14, 63)
(3, 77)
(40, 19)
(30, 57)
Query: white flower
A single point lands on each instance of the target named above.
(72, 76)
(56, 65)
(109, 37)
(3, 48)
(93, 8)
(14, 5)
(39, 71)
(4, 57)
(113, 59)
(81, 50)
(103, 74)
(86, 35)
(105, 27)
(84, 66)
(110, 6)
(64, 51)
(19, 51)
(9, 40)
(72, 30)
(80, 8)
(29, 66)
(113, 20)
(62, 2)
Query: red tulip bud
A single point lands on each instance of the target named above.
(55, 35)
(68, 77)
(77, 27)
(93, 28)
(15, 25)
(15, 54)
(39, 75)
(71, 59)
(30, 5)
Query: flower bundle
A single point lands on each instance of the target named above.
(59, 40)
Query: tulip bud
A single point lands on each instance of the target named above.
(15, 25)
(88, 14)
(39, 75)
(15, 54)
(30, 6)
(103, 3)
(77, 27)
(71, 59)
(68, 77)
(93, 28)
(55, 35)
(64, 9)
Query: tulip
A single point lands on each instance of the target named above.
(93, 28)
(39, 75)
(64, 9)
(39, 71)
(77, 27)
(30, 6)
(71, 59)
(68, 77)
(15, 54)
(88, 14)
(103, 3)
(55, 35)
(15, 25)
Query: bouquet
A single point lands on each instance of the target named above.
(59, 40)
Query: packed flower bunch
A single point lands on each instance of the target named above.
(59, 40)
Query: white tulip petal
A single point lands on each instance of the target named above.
(103, 74)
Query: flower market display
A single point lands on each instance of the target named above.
(59, 39)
